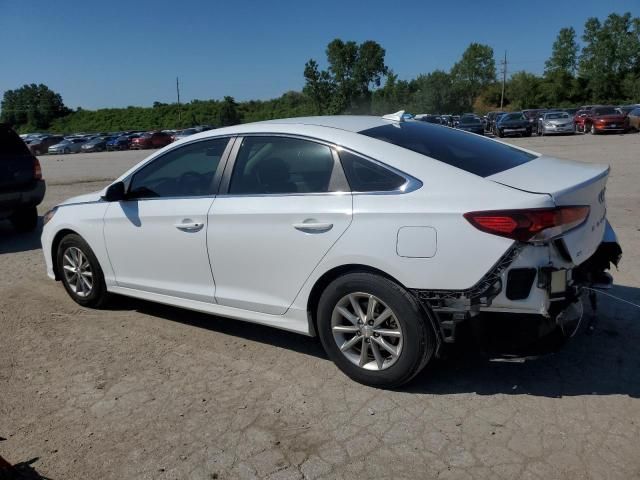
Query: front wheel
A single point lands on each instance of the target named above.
(374, 330)
(592, 130)
(80, 271)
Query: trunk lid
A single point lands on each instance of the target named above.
(16, 161)
(568, 183)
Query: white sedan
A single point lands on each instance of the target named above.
(379, 235)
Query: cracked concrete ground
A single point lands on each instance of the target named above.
(148, 391)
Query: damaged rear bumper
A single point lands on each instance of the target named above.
(530, 279)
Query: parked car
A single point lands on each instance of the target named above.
(183, 134)
(534, 116)
(72, 145)
(626, 109)
(122, 142)
(514, 123)
(556, 122)
(429, 118)
(96, 144)
(40, 145)
(570, 111)
(21, 185)
(634, 119)
(491, 121)
(579, 120)
(471, 123)
(605, 119)
(150, 140)
(466, 225)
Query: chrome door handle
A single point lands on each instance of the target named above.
(313, 227)
(189, 226)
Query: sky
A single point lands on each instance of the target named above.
(119, 53)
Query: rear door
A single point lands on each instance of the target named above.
(16, 162)
(569, 184)
(281, 208)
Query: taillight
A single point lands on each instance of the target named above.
(531, 225)
(37, 170)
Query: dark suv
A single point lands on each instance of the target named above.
(21, 185)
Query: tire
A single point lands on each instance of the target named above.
(408, 331)
(95, 293)
(500, 133)
(592, 129)
(25, 219)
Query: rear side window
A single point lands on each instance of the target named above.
(459, 149)
(366, 176)
(280, 165)
(10, 143)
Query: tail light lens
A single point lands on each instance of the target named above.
(37, 169)
(531, 225)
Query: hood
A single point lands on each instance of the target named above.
(86, 198)
(513, 122)
(559, 121)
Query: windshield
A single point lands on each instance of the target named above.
(556, 115)
(605, 111)
(472, 120)
(472, 153)
(513, 116)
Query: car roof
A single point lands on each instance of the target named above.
(350, 123)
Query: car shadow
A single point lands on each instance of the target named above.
(12, 241)
(20, 471)
(602, 359)
(237, 328)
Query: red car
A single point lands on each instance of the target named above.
(601, 120)
(151, 140)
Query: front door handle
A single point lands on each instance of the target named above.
(189, 226)
(313, 227)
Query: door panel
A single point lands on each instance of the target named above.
(160, 246)
(263, 249)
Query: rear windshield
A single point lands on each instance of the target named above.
(10, 143)
(472, 153)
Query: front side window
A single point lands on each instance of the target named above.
(186, 171)
(366, 176)
(280, 165)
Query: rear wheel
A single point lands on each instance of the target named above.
(25, 219)
(374, 330)
(80, 271)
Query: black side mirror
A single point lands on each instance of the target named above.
(115, 192)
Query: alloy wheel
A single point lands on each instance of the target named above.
(77, 271)
(367, 331)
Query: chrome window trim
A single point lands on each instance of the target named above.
(411, 184)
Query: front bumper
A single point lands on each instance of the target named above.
(549, 130)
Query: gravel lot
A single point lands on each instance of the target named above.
(147, 391)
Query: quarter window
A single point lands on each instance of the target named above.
(280, 165)
(366, 176)
(187, 171)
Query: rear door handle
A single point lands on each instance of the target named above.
(313, 227)
(189, 226)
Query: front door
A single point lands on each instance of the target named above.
(157, 238)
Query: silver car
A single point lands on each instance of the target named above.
(556, 122)
(72, 145)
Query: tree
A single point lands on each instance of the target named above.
(318, 86)
(353, 70)
(564, 54)
(229, 114)
(395, 95)
(523, 90)
(473, 72)
(434, 93)
(610, 53)
(32, 107)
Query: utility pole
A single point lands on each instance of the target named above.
(179, 110)
(504, 78)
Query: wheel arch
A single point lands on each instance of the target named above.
(54, 248)
(330, 275)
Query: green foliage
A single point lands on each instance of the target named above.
(607, 70)
(345, 87)
(32, 107)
